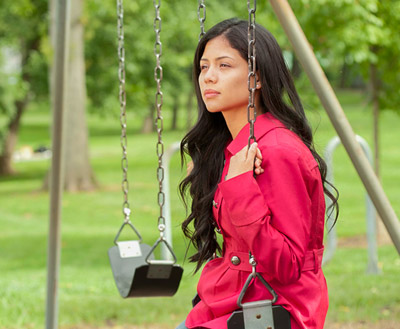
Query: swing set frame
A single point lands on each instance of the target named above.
(318, 79)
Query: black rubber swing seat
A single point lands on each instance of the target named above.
(136, 272)
(135, 277)
(280, 314)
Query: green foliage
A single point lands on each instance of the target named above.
(179, 36)
(23, 30)
(333, 27)
(342, 33)
(388, 54)
(23, 65)
(356, 34)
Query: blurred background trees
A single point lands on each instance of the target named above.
(23, 68)
(357, 43)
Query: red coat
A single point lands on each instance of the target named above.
(279, 217)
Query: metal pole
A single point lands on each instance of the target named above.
(335, 112)
(331, 243)
(165, 253)
(331, 240)
(56, 174)
(372, 267)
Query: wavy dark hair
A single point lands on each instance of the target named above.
(206, 141)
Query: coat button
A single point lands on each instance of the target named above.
(235, 260)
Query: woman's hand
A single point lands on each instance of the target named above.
(245, 160)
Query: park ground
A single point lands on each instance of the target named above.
(88, 298)
(356, 325)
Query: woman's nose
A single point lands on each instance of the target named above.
(210, 75)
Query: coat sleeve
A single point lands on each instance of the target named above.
(272, 212)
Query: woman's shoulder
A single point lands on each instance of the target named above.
(283, 144)
(282, 138)
(273, 133)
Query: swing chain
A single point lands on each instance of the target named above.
(158, 76)
(251, 61)
(201, 14)
(122, 100)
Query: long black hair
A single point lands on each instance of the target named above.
(206, 141)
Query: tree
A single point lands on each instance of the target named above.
(363, 34)
(78, 172)
(179, 36)
(22, 32)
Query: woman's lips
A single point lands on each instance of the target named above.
(210, 93)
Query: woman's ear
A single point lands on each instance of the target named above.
(258, 82)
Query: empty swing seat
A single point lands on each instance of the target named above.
(137, 274)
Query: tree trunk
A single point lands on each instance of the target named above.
(296, 68)
(52, 34)
(148, 123)
(78, 174)
(375, 110)
(11, 136)
(10, 141)
(175, 107)
(344, 74)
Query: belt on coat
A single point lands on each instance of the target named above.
(312, 261)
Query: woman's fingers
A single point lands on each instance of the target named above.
(246, 159)
(252, 151)
(255, 155)
(258, 171)
(257, 162)
(259, 155)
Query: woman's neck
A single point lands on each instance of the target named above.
(235, 121)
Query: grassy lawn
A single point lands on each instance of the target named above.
(91, 219)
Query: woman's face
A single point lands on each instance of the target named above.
(223, 77)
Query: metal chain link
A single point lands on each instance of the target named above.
(251, 60)
(122, 100)
(201, 14)
(158, 75)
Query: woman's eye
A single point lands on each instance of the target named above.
(225, 65)
(203, 67)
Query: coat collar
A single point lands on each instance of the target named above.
(264, 123)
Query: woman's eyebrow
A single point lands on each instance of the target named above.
(218, 58)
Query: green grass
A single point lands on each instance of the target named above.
(90, 221)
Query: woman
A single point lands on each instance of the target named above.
(268, 199)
